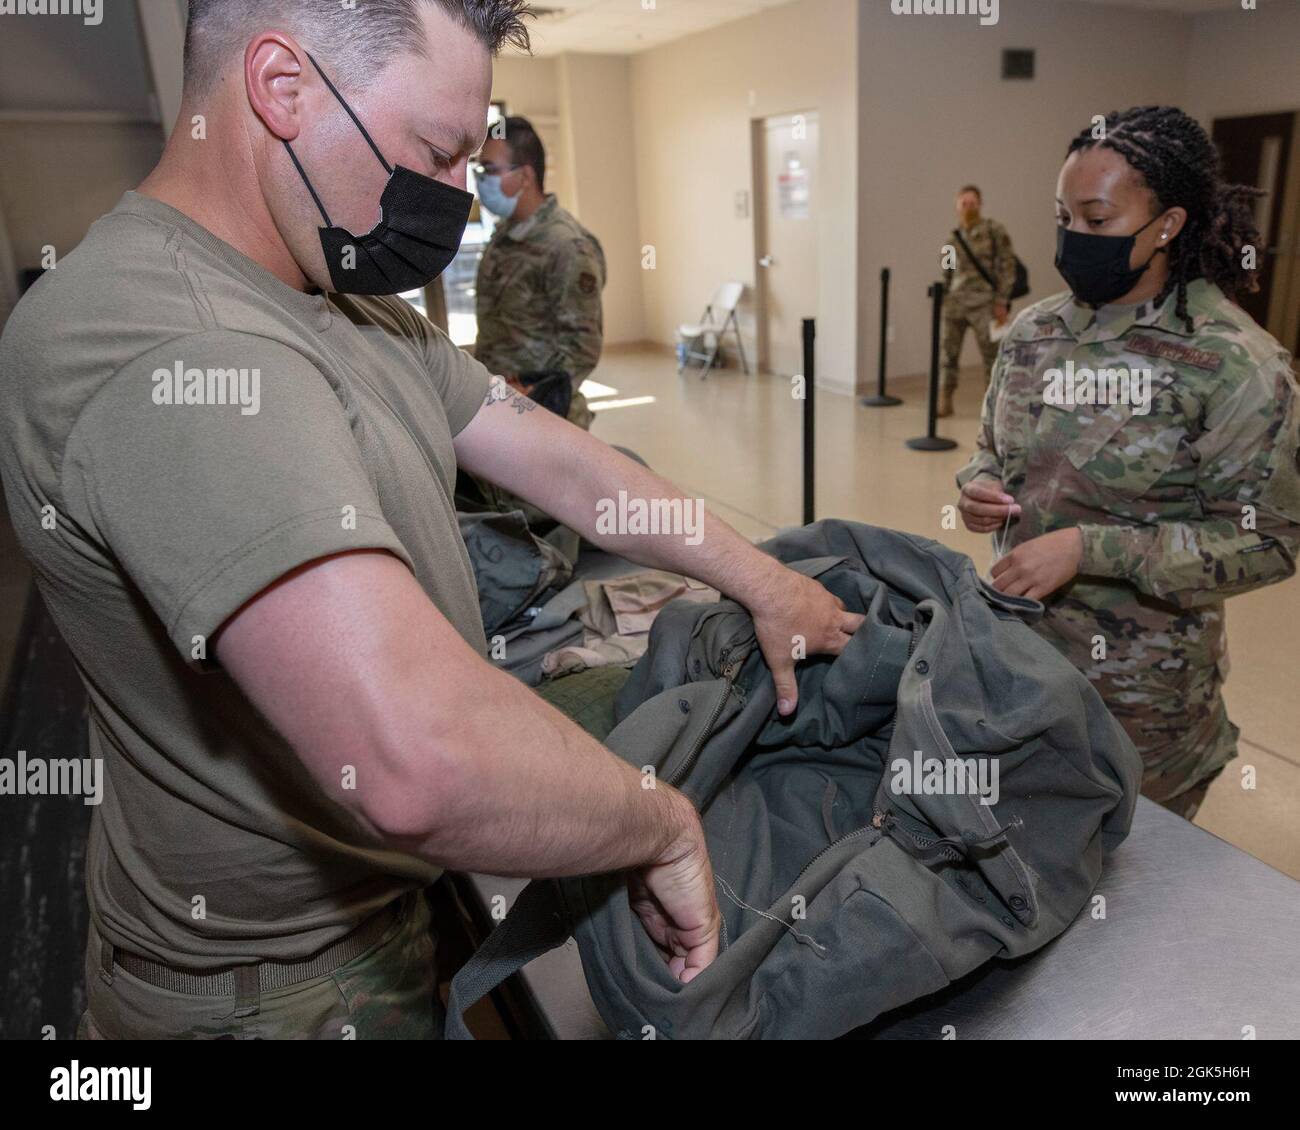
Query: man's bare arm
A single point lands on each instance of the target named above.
(455, 760)
(571, 475)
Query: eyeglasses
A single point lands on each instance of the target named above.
(482, 170)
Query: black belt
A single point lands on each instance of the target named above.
(239, 979)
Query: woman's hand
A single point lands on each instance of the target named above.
(1040, 566)
(984, 505)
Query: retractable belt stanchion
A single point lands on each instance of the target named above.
(809, 435)
(931, 441)
(881, 400)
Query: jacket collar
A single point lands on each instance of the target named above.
(522, 230)
(1111, 322)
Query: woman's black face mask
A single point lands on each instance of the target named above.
(1096, 267)
(417, 237)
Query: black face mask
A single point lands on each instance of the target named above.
(1096, 267)
(417, 237)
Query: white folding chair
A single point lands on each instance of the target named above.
(701, 341)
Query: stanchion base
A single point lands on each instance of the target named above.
(931, 443)
(878, 401)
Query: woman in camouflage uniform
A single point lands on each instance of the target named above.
(1139, 441)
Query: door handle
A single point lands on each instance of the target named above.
(767, 261)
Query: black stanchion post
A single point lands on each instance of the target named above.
(809, 451)
(881, 400)
(931, 441)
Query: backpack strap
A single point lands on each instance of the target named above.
(535, 925)
(978, 265)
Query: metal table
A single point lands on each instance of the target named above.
(1199, 941)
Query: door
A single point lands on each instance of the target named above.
(1256, 150)
(786, 237)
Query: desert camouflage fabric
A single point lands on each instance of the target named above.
(969, 301)
(1180, 507)
(538, 304)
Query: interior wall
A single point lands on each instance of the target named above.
(937, 115)
(530, 88)
(596, 110)
(79, 125)
(693, 104)
(62, 64)
(1244, 62)
(59, 175)
(581, 106)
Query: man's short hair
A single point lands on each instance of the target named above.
(526, 147)
(358, 40)
(971, 188)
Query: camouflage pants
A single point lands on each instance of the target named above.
(390, 992)
(956, 318)
(1166, 691)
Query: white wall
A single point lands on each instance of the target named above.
(693, 102)
(936, 115)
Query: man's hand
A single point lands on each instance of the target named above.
(674, 898)
(795, 611)
(1039, 567)
(1001, 312)
(984, 505)
(572, 476)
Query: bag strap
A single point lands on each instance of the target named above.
(535, 925)
(978, 265)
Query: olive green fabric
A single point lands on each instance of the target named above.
(389, 992)
(150, 523)
(587, 697)
(846, 889)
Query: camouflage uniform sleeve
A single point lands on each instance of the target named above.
(986, 461)
(579, 318)
(1249, 489)
(1006, 257)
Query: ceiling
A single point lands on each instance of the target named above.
(624, 27)
(1189, 7)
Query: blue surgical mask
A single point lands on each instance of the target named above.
(494, 199)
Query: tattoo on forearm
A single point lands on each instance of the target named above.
(501, 393)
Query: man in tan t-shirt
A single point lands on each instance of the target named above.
(231, 460)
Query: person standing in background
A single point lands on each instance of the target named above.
(541, 276)
(979, 289)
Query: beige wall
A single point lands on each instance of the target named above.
(59, 176)
(936, 115)
(1244, 62)
(693, 103)
(596, 112)
(581, 106)
(530, 88)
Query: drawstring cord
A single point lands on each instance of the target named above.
(1000, 543)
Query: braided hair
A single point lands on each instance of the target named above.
(1178, 162)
